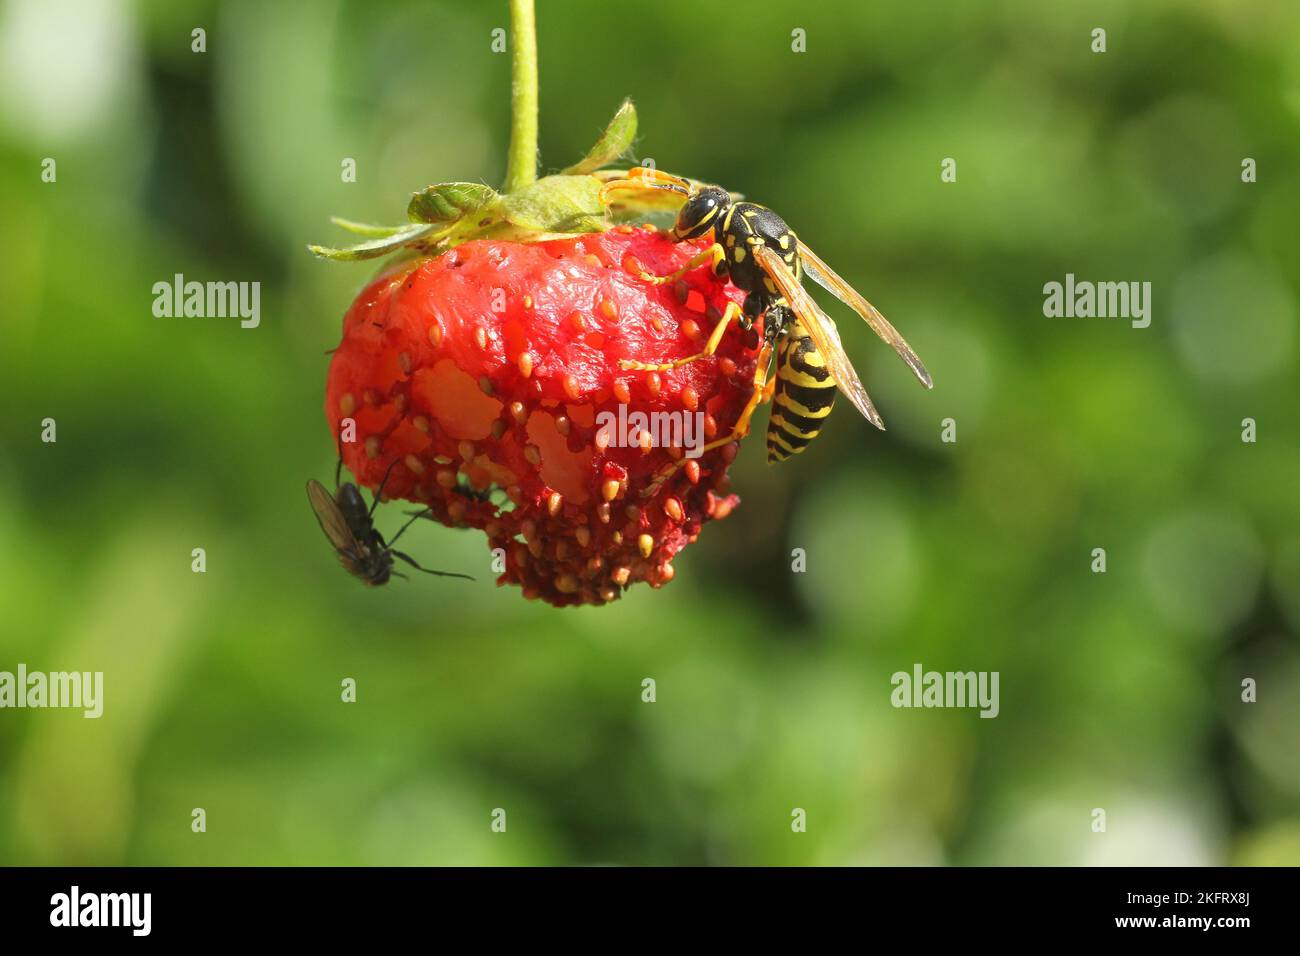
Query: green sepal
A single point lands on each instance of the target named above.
(375, 247)
(556, 204)
(613, 143)
(447, 202)
(367, 229)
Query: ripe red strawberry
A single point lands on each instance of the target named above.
(486, 368)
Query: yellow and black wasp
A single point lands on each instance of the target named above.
(763, 257)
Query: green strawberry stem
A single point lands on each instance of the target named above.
(521, 161)
(445, 215)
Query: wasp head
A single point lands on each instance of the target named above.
(701, 212)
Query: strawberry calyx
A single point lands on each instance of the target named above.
(446, 215)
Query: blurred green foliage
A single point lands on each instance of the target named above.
(1118, 690)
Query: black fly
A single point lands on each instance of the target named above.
(349, 525)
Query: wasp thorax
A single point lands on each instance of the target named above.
(701, 212)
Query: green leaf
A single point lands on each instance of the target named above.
(366, 229)
(612, 144)
(447, 202)
(556, 204)
(375, 247)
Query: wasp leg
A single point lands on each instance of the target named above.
(763, 392)
(731, 314)
(442, 574)
(714, 255)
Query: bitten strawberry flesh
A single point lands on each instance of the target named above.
(484, 373)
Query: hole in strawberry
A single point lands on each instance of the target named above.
(455, 399)
(565, 471)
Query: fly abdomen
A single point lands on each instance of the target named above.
(805, 393)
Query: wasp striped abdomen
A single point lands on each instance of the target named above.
(805, 393)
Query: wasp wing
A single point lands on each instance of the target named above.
(331, 518)
(828, 279)
(822, 331)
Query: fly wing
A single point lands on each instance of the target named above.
(822, 330)
(828, 279)
(331, 518)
